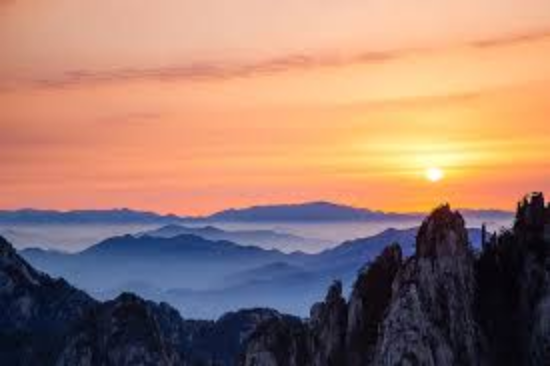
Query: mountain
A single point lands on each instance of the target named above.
(331, 212)
(172, 270)
(160, 262)
(260, 238)
(46, 321)
(445, 305)
(36, 310)
(116, 216)
(305, 212)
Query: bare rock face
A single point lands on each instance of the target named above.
(368, 304)
(328, 323)
(431, 319)
(443, 234)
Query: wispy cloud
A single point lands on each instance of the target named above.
(512, 39)
(214, 71)
(208, 71)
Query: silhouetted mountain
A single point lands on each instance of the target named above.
(116, 216)
(172, 269)
(48, 322)
(260, 238)
(442, 306)
(306, 212)
(36, 311)
(331, 212)
(161, 262)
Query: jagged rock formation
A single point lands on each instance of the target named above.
(368, 302)
(337, 333)
(431, 318)
(445, 305)
(328, 323)
(514, 288)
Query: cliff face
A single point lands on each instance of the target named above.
(328, 324)
(513, 276)
(368, 304)
(442, 306)
(431, 318)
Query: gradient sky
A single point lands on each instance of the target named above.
(191, 106)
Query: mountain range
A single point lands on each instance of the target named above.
(205, 278)
(445, 303)
(261, 238)
(303, 212)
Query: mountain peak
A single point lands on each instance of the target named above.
(443, 233)
(532, 213)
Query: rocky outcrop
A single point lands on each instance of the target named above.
(368, 304)
(337, 333)
(328, 324)
(431, 320)
(513, 276)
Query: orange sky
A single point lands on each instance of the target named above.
(194, 106)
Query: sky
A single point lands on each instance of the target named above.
(192, 106)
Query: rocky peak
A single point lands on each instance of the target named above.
(531, 213)
(328, 323)
(334, 293)
(442, 234)
(430, 319)
(532, 225)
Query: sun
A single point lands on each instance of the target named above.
(434, 174)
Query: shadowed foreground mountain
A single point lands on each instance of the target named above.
(444, 305)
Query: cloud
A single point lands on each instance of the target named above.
(212, 71)
(512, 39)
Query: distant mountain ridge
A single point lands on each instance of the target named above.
(167, 269)
(114, 216)
(262, 238)
(320, 211)
(312, 211)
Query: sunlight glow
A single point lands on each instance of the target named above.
(434, 174)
